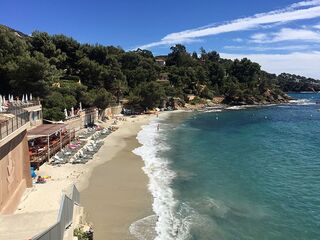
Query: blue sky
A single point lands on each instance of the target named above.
(283, 36)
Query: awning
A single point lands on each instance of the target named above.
(45, 130)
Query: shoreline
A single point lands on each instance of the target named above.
(45, 199)
(115, 193)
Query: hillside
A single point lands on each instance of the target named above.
(63, 72)
(295, 83)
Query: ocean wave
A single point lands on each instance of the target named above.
(213, 110)
(236, 107)
(302, 102)
(144, 229)
(168, 226)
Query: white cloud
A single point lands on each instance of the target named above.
(259, 37)
(305, 4)
(306, 64)
(287, 34)
(298, 11)
(169, 42)
(273, 48)
(317, 26)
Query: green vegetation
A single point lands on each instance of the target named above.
(81, 235)
(295, 83)
(62, 72)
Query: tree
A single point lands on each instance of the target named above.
(11, 48)
(64, 72)
(54, 105)
(70, 48)
(92, 74)
(152, 94)
(245, 70)
(101, 98)
(119, 88)
(179, 56)
(33, 74)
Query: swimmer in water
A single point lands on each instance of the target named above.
(158, 127)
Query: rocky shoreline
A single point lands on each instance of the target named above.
(225, 102)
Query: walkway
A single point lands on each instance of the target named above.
(26, 225)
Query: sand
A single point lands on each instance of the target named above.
(117, 194)
(113, 186)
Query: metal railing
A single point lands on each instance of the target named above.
(19, 107)
(12, 124)
(65, 216)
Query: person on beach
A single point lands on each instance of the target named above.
(158, 127)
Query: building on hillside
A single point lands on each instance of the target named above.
(191, 97)
(15, 174)
(161, 61)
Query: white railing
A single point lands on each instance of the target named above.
(65, 216)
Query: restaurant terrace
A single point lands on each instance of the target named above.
(46, 140)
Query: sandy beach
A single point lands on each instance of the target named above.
(117, 193)
(113, 187)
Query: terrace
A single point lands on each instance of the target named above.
(46, 140)
(11, 122)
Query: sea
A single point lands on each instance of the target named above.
(242, 173)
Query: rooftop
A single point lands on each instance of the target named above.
(45, 130)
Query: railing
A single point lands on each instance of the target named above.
(65, 216)
(19, 107)
(38, 158)
(12, 124)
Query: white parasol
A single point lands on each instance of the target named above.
(66, 113)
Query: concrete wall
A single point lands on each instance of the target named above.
(111, 111)
(14, 171)
(85, 117)
(35, 115)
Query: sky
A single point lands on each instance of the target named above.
(281, 35)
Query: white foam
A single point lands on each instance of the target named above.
(213, 110)
(236, 107)
(302, 102)
(143, 229)
(168, 226)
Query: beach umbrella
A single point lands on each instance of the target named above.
(66, 113)
(26, 97)
(12, 98)
(30, 96)
(22, 98)
(72, 112)
(4, 100)
(80, 106)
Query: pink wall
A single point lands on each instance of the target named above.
(14, 172)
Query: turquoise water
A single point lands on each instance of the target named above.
(244, 174)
